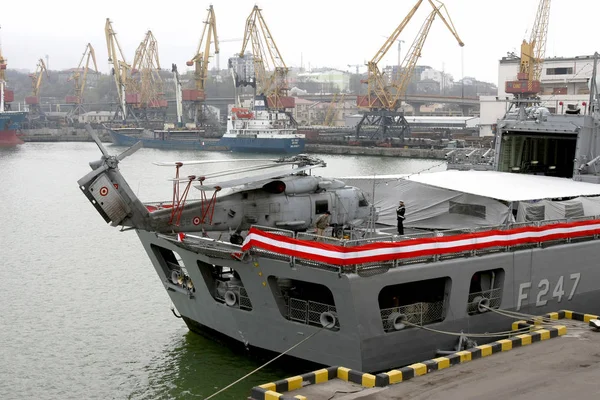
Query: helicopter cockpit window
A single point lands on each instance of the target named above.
(362, 200)
(321, 206)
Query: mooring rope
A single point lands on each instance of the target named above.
(331, 325)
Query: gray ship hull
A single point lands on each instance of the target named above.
(534, 280)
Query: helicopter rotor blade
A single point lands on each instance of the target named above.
(130, 150)
(96, 139)
(194, 162)
(92, 175)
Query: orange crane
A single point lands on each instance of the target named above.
(79, 79)
(532, 56)
(384, 96)
(200, 62)
(269, 68)
(36, 82)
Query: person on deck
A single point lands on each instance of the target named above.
(400, 216)
(323, 222)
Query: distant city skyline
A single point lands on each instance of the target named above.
(310, 34)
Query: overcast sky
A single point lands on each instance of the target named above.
(317, 33)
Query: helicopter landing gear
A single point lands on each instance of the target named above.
(236, 238)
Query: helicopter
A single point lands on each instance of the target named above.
(291, 199)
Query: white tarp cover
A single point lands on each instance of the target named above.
(506, 186)
(552, 210)
(430, 207)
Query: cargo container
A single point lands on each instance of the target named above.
(133, 98)
(9, 96)
(32, 100)
(72, 100)
(284, 102)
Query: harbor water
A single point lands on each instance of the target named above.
(83, 313)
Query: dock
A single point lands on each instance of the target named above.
(560, 361)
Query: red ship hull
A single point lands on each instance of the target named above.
(9, 138)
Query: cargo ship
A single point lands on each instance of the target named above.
(10, 121)
(260, 129)
(172, 139)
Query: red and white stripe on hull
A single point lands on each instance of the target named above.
(410, 248)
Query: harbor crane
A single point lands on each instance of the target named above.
(145, 71)
(194, 98)
(333, 109)
(33, 101)
(270, 71)
(384, 95)
(79, 79)
(6, 96)
(121, 72)
(533, 52)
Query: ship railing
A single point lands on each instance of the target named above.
(422, 313)
(310, 312)
(493, 296)
(221, 249)
(241, 296)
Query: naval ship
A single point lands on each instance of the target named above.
(523, 237)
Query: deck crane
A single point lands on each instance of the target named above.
(383, 99)
(145, 71)
(200, 62)
(36, 82)
(79, 79)
(532, 56)
(121, 71)
(269, 68)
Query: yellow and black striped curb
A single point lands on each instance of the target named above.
(273, 390)
(537, 322)
(460, 357)
(566, 314)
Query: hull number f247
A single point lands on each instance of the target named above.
(543, 290)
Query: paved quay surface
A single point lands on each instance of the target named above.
(566, 367)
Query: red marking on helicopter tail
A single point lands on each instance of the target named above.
(103, 191)
(116, 185)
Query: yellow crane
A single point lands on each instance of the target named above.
(269, 68)
(384, 96)
(79, 76)
(333, 109)
(36, 83)
(532, 56)
(120, 70)
(200, 62)
(145, 71)
(380, 94)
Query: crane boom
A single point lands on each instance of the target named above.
(532, 55)
(379, 94)
(269, 68)
(120, 67)
(202, 57)
(146, 67)
(79, 79)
